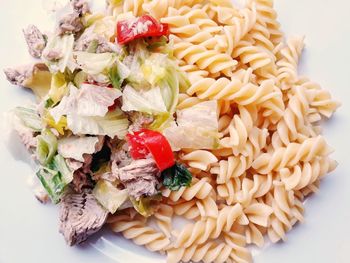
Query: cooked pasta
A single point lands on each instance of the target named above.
(270, 154)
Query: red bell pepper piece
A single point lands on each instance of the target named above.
(144, 26)
(146, 142)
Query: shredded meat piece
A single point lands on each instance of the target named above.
(139, 120)
(70, 24)
(80, 181)
(28, 139)
(22, 75)
(120, 155)
(80, 6)
(80, 216)
(139, 177)
(89, 38)
(52, 54)
(35, 40)
(74, 164)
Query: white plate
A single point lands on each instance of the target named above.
(28, 230)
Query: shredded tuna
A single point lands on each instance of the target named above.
(119, 153)
(139, 177)
(89, 40)
(81, 6)
(28, 139)
(74, 164)
(22, 75)
(80, 181)
(139, 120)
(52, 55)
(35, 40)
(80, 216)
(70, 24)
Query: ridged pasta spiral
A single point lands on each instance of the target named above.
(288, 64)
(199, 189)
(287, 210)
(291, 155)
(139, 233)
(201, 231)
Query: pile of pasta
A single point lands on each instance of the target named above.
(271, 153)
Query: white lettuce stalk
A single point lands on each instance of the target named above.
(75, 147)
(109, 196)
(196, 128)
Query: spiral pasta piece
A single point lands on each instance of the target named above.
(302, 175)
(199, 189)
(201, 231)
(288, 64)
(291, 155)
(287, 210)
(163, 218)
(139, 233)
(211, 60)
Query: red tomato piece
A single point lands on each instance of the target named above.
(148, 141)
(144, 26)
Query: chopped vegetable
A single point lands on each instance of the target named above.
(146, 141)
(75, 147)
(109, 196)
(47, 147)
(176, 176)
(55, 177)
(29, 118)
(144, 26)
(92, 63)
(196, 128)
(146, 206)
(52, 182)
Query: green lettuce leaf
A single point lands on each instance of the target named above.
(146, 206)
(55, 177)
(109, 196)
(46, 146)
(92, 63)
(29, 118)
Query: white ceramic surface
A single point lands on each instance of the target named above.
(28, 230)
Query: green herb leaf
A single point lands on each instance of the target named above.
(176, 176)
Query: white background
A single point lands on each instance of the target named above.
(28, 230)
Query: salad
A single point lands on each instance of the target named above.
(104, 130)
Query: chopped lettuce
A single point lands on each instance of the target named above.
(29, 118)
(60, 165)
(55, 177)
(79, 78)
(147, 101)
(113, 124)
(118, 73)
(40, 81)
(109, 196)
(75, 147)
(59, 126)
(196, 128)
(52, 182)
(93, 100)
(58, 88)
(46, 146)
(146, 206)
(63, 45)
(89, 100)
(92, 63)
